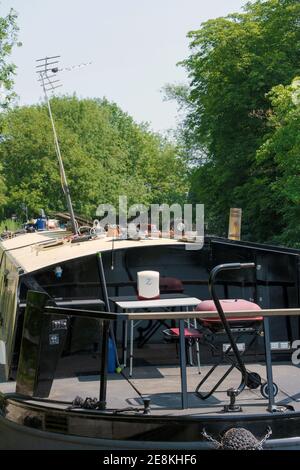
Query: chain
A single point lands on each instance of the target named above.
(261, 443)
(209, 438)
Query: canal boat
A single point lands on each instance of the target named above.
(61, 329)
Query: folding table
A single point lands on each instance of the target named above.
(166, 302)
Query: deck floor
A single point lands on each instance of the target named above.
(162, 385)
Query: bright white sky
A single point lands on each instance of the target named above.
(133, 45)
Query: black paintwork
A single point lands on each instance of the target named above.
(38, 357)
(144, 428)
(274, 285)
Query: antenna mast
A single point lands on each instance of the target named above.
(47, 70)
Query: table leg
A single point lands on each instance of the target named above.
(184, 395)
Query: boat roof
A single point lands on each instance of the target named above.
(29, 252)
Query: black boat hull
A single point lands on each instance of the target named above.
(29, 426)
(19, 437)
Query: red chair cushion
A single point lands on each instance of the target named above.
(188, 333)
(229, 305)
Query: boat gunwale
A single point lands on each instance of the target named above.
(26, 402)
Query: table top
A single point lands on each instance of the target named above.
(125, 298)
(158, 303)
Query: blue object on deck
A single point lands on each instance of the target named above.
(111, 367)
(41, 223)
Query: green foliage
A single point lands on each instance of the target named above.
(233, 65)
(106, 154)
(8, 36)
(8, 32)
(280, 157)
(10, 225)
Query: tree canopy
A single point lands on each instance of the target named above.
(278, 159)
(106, 154)
(8, 36)
(240, 133)
(234, 64)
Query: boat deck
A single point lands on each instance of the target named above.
(162, 386)
(161, 383)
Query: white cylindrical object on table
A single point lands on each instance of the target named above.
(148, 284)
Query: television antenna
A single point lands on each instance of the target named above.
(47, 69)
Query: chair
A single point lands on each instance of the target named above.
(170, 285)
(192, 336)
(248, 327)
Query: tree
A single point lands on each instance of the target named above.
(234, 62)
(106, 154)
(279, 155)
(8, 36)
(8, 31)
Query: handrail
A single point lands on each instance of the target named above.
(164, 315)
(74, 312)
(211, 314)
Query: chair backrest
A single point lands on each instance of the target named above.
(170, 285)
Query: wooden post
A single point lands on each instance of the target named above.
(235, 220)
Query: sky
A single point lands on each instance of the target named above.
(133, 47)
